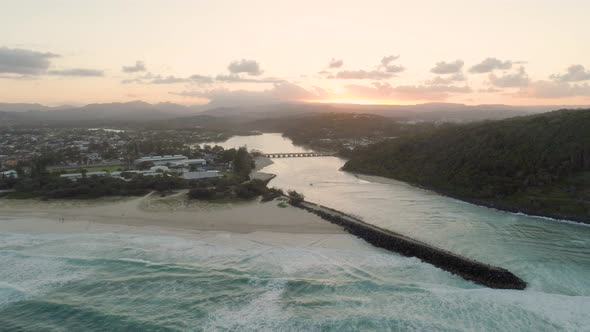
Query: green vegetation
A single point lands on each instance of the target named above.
(223, 189)
(7, 183)
(113, 168)
(338, 131)
(295, 198)
(235, 185)
(243, 163)
(93, 187)
(535, 164)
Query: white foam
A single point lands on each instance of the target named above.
(263, 313)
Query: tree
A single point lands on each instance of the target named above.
(38, 167)
(202, 193)
(228, 156)
(243, 163)
(145, 165)
(295, 198)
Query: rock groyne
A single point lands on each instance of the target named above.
(469, 269)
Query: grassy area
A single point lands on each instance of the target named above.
(90, 169)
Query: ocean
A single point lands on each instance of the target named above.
(110, 280)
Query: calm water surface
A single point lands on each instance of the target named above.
(145, 282)
(269, 143)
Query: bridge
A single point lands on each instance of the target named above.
(297, 154)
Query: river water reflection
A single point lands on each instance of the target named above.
(158, 280)
(552, 256)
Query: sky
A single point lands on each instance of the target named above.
(259, 51)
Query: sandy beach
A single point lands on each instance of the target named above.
(261, 162)
(272, 223)
(173, 212)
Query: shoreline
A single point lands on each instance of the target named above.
(467, 268)
(260, 163)
(176, 211)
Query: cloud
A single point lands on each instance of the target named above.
(80, 72)
(489, 90)
(335, 63)
(395, 69)
(32, 63)
(150, 78)
(551, 89)
(432, 92)
(443, 67)
(145, 79)
(280, 92)
(24, 62)
(376, 91)
(385, 70)
(489, 65)
(380, 90)
(201, 79)
(232, 78)
(363, 75)
(250, 67)
(386, 64)
(575, 73)
(438, 80)
(138, 67)
(518, 79)
(388, 59)
(170, 79)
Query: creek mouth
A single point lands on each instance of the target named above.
(469, 269)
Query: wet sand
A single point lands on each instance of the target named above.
(261, 162)
(175, 211)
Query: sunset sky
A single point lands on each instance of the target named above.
(394, 52)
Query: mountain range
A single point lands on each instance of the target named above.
(139, 111)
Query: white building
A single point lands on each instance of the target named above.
(162, 160)
(153, 171)
(9, 174)
(160, 168)
(199, 162)
(75, 176)
(188, 163)
(201, 175)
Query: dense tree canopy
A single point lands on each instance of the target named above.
(540, 163)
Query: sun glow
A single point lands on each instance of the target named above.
(356, 101)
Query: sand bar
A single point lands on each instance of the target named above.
(175, 211)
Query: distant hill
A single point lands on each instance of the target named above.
(537, 164)
(139, 112)
(134, 112)
(21, 107)
(431, 112)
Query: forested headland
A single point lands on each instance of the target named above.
(536, 164)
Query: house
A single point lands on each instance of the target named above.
(10, 162)
(153, 171)
(189, 164)
(9, 174)
(197, 162)
(75, 176)
(161, 160)
(159, 168)
(201, 175)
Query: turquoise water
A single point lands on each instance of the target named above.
(228, 282)
(145, 282)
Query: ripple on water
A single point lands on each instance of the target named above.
(160, 285)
